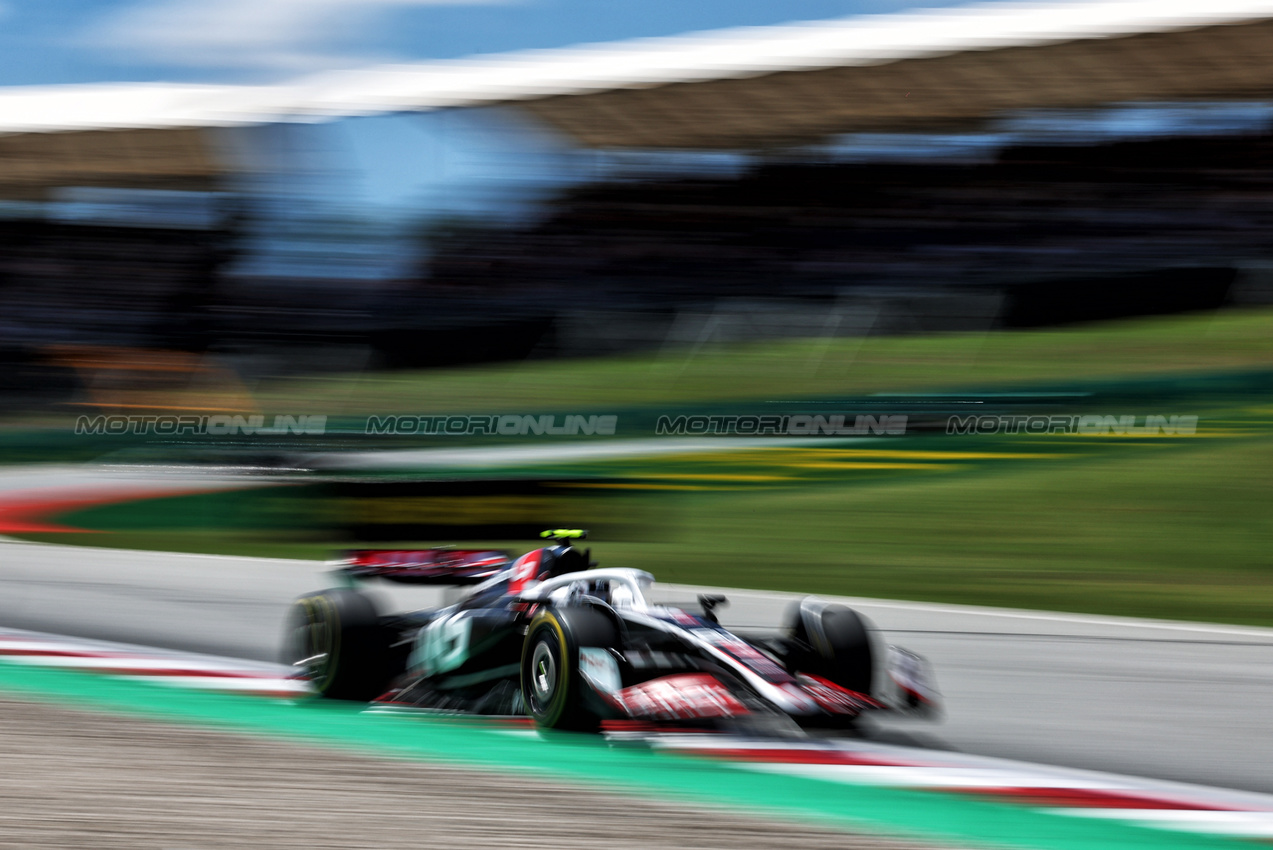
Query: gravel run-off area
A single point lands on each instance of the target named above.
(73, 778)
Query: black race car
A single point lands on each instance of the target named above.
(551, 636)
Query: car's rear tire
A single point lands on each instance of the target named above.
(337, 640)
(834, 642)
(553, 690)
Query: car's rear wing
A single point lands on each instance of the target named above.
(424, 566)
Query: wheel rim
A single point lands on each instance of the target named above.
(543, 675)
(312, 641)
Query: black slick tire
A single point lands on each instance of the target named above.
(553, 690)
(337, 639)
(833, 642)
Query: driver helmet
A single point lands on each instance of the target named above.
(560, 560)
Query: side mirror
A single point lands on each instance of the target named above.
(710, 602)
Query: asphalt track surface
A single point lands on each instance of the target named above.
(1179, 701)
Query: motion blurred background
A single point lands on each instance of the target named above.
(347, 211)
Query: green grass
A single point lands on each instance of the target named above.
(1180, 533)
(1211, 342)
(1175, 529)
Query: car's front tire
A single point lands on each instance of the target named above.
(834, 642)
(553, 689)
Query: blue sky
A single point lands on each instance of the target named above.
(68, 41)
(395, 169)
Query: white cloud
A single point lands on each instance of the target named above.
(270, 35)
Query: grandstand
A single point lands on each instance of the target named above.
(807, 237)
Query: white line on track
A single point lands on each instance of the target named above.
(541, 453)
(1236, 824)
(143, 663)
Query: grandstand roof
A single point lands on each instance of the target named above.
(755, 86)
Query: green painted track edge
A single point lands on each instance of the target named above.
(927, 816)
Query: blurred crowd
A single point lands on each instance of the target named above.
(1033, 216)
(1055, 234)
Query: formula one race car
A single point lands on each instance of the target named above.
(548, 636)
